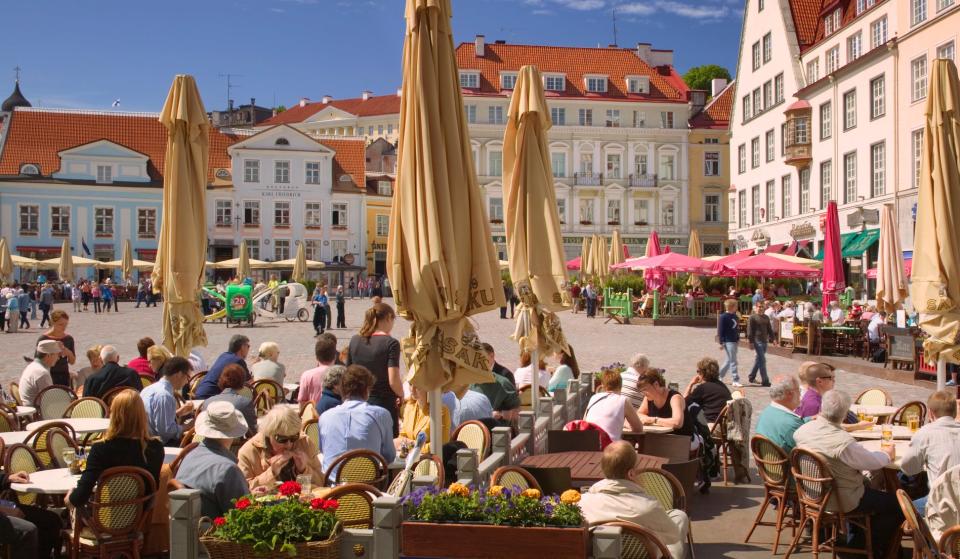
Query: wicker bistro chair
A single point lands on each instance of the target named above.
(312, 430)
(526, 396)
(109, 395)
(145, 381)
(718, 432)
(53, 401)
(430, 465)
(636, 542)
(15, 392)
(8, 420)
(773, 464)
(815, 487)
(195, 382)
(874, 397)
(355, 508)
(950, 543)
(918, 407)
(358, 466)
(49, 442)
(118, 514)
(924, 546)
(666, 488)
(272, 389)
(87, 407)
(476, 436)
(514, 476)
(21, 458)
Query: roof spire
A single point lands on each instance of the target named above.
(16, 98)
(16, 70)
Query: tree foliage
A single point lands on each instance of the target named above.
(699, 77)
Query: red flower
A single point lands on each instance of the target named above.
(331, 505)
(288, 488)
(318, 503)
(219, 521)
(242, 503)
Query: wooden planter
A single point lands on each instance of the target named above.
(485, 541)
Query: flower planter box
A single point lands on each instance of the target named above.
(482, 541)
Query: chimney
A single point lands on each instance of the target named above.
(716, 86)
(304, 101)
(643, 52)
(399, 92)
(480, 46)
(253, 101)
(327, 99)
(698, 98)
(274, 112)
(366, 94)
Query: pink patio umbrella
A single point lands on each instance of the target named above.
(670, 263)
(573, 264)
(833, 280)
(653, 278)
(767, 266)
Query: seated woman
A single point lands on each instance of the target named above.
(707, 390)
(416, 418)
(524, 375)
(279, 451)
(157, 355)
(662, 406)
(80, 376)
(609, 409)
(230, 382)
(127, 442)
(566, 371)
(267, 367)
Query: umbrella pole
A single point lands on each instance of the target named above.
(435, 399)
(941, 373)
(535, 383)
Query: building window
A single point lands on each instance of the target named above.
(805, 190)
(711, 208)
(104, 174)
(946, 51)
(760, 6)
(613, 118)
(801, 132)
(390, 129)
(916, 148)
(918, 11)
(667, 167)
(338, 248)
(864, 5)
(613, 165)
(251, 212)
(850, 109)
(813, 70)
(281, 214)
(146, 223)
(850, 177)
(711, 140)
(833, 59)
(495, 163)
(281, 172)
(778, 89)
(470, 80)
(785, 195)
(562, 209)
(944, 4)
(742, 159)
(639, 119)
(826, 120)
(918, 74)
(771, 200)
(251, 170)
(878, 106)
(711, 164)
(281, 249)
(558, 116)
(854, 47)
(383, 225)
(338, 215)
(668, 213)
(755, 204)
(826, 182)
(877, 169)
(754, 153)
(223, 213)
(471, 112)
(666, 119)
(585, 117)
(508, 81)
(312, 172)
(783, 136)
(553, 83)
(767, 95)
(637, 85)
(384, 188)
(29, 219)
(746, 108)
(757, 103)
(495, 114)
(613, 212)
(496, 209)
(640, 167)
(597, 85)
(253, 248)
(767, 47)
(641, 212)
(586, 163)
(878, 32)
(586, 211)
(311, 249)
(311, 214)
(103, 222)
(756, 56)
(771, 148)
(742, 214)
(60, 220)
(558, 163)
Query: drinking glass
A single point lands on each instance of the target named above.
(886, 433)
(69, 457)
(306, 483)
(913, 421)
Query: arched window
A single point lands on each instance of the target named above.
(29, 169)
(282, 142)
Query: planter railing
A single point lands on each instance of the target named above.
(469, 471)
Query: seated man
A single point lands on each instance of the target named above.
(619, 498)
(36, 375)
(355, 423)
(111, 375)
(848, 460)
(236, 354)
(472, 406)
(211, 467)
(161, 404)
(935, 448)
(312, 385)
(942, 511)
(777, 421)
(502, 394)
(29, 531)
(331, 396)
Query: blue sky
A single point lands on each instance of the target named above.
(87, 53)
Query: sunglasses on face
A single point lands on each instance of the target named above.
(286, 439)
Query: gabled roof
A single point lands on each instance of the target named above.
(716, 115)
(575, 62)
(38, 135)
(372, 106)
(806, 20)
(350, 159)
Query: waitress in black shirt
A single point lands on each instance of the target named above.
(374, 348)
(60, 372)
(707, 390)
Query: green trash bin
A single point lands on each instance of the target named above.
(239, 304)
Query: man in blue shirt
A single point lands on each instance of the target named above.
(236, 353)
(355, 423)
(161, 405)
(471, 406)
(728, 334)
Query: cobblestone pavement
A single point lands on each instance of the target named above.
(721, 519)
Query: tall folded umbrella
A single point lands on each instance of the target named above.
(243, 261)
(602, 264)
(694, 251)
(891, 279)
(178, 272)
(616, 248)
(65, 269)
(300, 266)
(653, 279)
(6, 262)
(833, 280)
(440, 259)
(585, 251)
(534, 240)
(126, 266)
(935, 283)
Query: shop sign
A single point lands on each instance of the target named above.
(802, 230)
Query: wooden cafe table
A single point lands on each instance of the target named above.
(584, 465)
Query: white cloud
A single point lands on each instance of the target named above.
(708, 10)
(705, 11)
(581, 5)
(636, 9)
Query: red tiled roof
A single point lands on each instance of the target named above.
(716, 115)
(350, 159)
(806, 20)
(574, 62)
(37, 136)
(372, 106)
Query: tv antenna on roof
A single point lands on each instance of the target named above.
(614, 13)
(230, 84)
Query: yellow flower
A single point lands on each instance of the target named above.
(570, 496)
(532, 493)
(458, 489)
(495, 490)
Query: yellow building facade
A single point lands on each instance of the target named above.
(709, 149)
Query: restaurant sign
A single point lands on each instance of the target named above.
(803, 230)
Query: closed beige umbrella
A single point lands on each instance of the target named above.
(440, 259)
(585, 259)
(6, 262)
(300, 266)
(694, 251)
(891, 278)
(599, 262)
(181, 251)
(935, 281)
(616, 248)
(534, 240)
(65, 267)
(126, 267)
(243, 261)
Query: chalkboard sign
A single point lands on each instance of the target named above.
(900, 345)
(786, 330)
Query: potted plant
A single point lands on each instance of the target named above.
(461, 522)
(496, 221)
(276, 526)
(614, 222)
(640, 223)
(586, 222)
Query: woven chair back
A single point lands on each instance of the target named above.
(476, 436)
(950, 543)
(118, 505)
(663, 487)
(772, 462)
(355, 508)
(15, 392)
(874, 397)
(195, 382)
(7, 422)
(814, 480)
(514, 477)
(902, 415)
(109, 395)
(358, 466)
(312, 430)
(21, 458)
(923, 541)
(636, 542)
(87, 407)
(53, 401)
(430, 465)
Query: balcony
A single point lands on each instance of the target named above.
(796, 137)
(643, 181)
(587, 179)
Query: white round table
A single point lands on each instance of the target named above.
(170, 453)
(82, 425)
(49, 482)
(291, 386)
(14, 437)
(901, 447)
(901, 432)
(656, 429)
(26, 411)
(874, 410)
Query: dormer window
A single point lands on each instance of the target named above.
(470, 80)
(554, 82)
(596, 84)
(638, 84)
(508, 80)
(104, 174)
(831, 23)
(282, 142)
(29, 169)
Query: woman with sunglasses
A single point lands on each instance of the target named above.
(279, 452)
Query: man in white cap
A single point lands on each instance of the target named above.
(211, 467)
(36, 376)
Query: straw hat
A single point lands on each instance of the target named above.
(220, 420)
(48, 346)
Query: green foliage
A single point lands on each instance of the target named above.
(280, 108)
(699, 77)
(498, 506)
(274, 525)
(620, 283)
